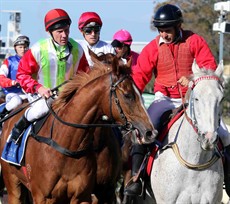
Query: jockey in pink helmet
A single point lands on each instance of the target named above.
(122, 41)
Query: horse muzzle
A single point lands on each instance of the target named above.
(209, 140)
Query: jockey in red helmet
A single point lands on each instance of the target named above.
(47, 64)
(90, 25)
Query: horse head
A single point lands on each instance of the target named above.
(204, 110)
(125, 104)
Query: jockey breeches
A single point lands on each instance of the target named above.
(160, 104)
(38, 109)
(224, 133)
(13, 100)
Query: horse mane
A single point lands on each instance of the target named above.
(103, 64)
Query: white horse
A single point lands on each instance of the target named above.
(189, 169)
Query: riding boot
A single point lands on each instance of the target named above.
(138, 154)
(2, 114)
(227, 170)
(18, 129)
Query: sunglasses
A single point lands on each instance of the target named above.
(89, 30)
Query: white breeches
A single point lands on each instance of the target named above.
(162, 103)
(38, 109)
(13, 100)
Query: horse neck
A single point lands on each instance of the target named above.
(86, 105)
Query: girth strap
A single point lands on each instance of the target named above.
(74, 154)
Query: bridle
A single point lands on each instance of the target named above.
(193, 122)
(192, 119)
(76, 154)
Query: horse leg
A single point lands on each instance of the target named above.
(16, 191)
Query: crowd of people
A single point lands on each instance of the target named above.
(33, 72)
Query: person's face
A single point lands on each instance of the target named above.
(168, 34)
(91, 34)
(21, 49)
(121, 51)
(61, 35)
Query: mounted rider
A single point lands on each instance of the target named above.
(90, 25)
(8, 70)
(47, 64)
(170, 57)
(122, 41)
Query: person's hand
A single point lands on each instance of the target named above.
(14, 83)
(183, 81)
(44, 92)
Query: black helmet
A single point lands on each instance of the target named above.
(167, 16)
(22, 40)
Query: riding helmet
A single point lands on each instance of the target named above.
(89, 17)
(123, 36)
(22, 40)
(55, 19)
(167, 16)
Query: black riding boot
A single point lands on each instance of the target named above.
(227, 170)
(138, 154)
(19, 127)
(3, 113)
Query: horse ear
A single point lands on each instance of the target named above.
(116, 66)
(195, 67)
(93, 56)
(220, 69)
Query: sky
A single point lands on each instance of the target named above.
(132, 15)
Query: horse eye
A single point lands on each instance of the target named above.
(129, 96)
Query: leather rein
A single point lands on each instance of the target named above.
(77, 154)
(217, 152)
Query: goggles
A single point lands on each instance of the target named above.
(89, 30)
(117, 43)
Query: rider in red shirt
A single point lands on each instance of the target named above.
(170, 57)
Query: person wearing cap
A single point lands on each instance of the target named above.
(11, 88)
(90, 25)
(170, 57)
(122, 41)
(46, 65)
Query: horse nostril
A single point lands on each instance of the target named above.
(149, 134)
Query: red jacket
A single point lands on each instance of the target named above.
(168, 62)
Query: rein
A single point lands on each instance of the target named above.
(217, 154)
(188, 165)
(11, 114)
(77, 154)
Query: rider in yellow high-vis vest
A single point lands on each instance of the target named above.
(47, 64)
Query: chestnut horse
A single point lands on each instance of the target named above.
(54, 177)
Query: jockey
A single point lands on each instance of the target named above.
(122, 41)
(90, 25)
(8, 70)
(47, 64)
(170, 57)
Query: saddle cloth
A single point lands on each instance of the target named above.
(14, 153)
